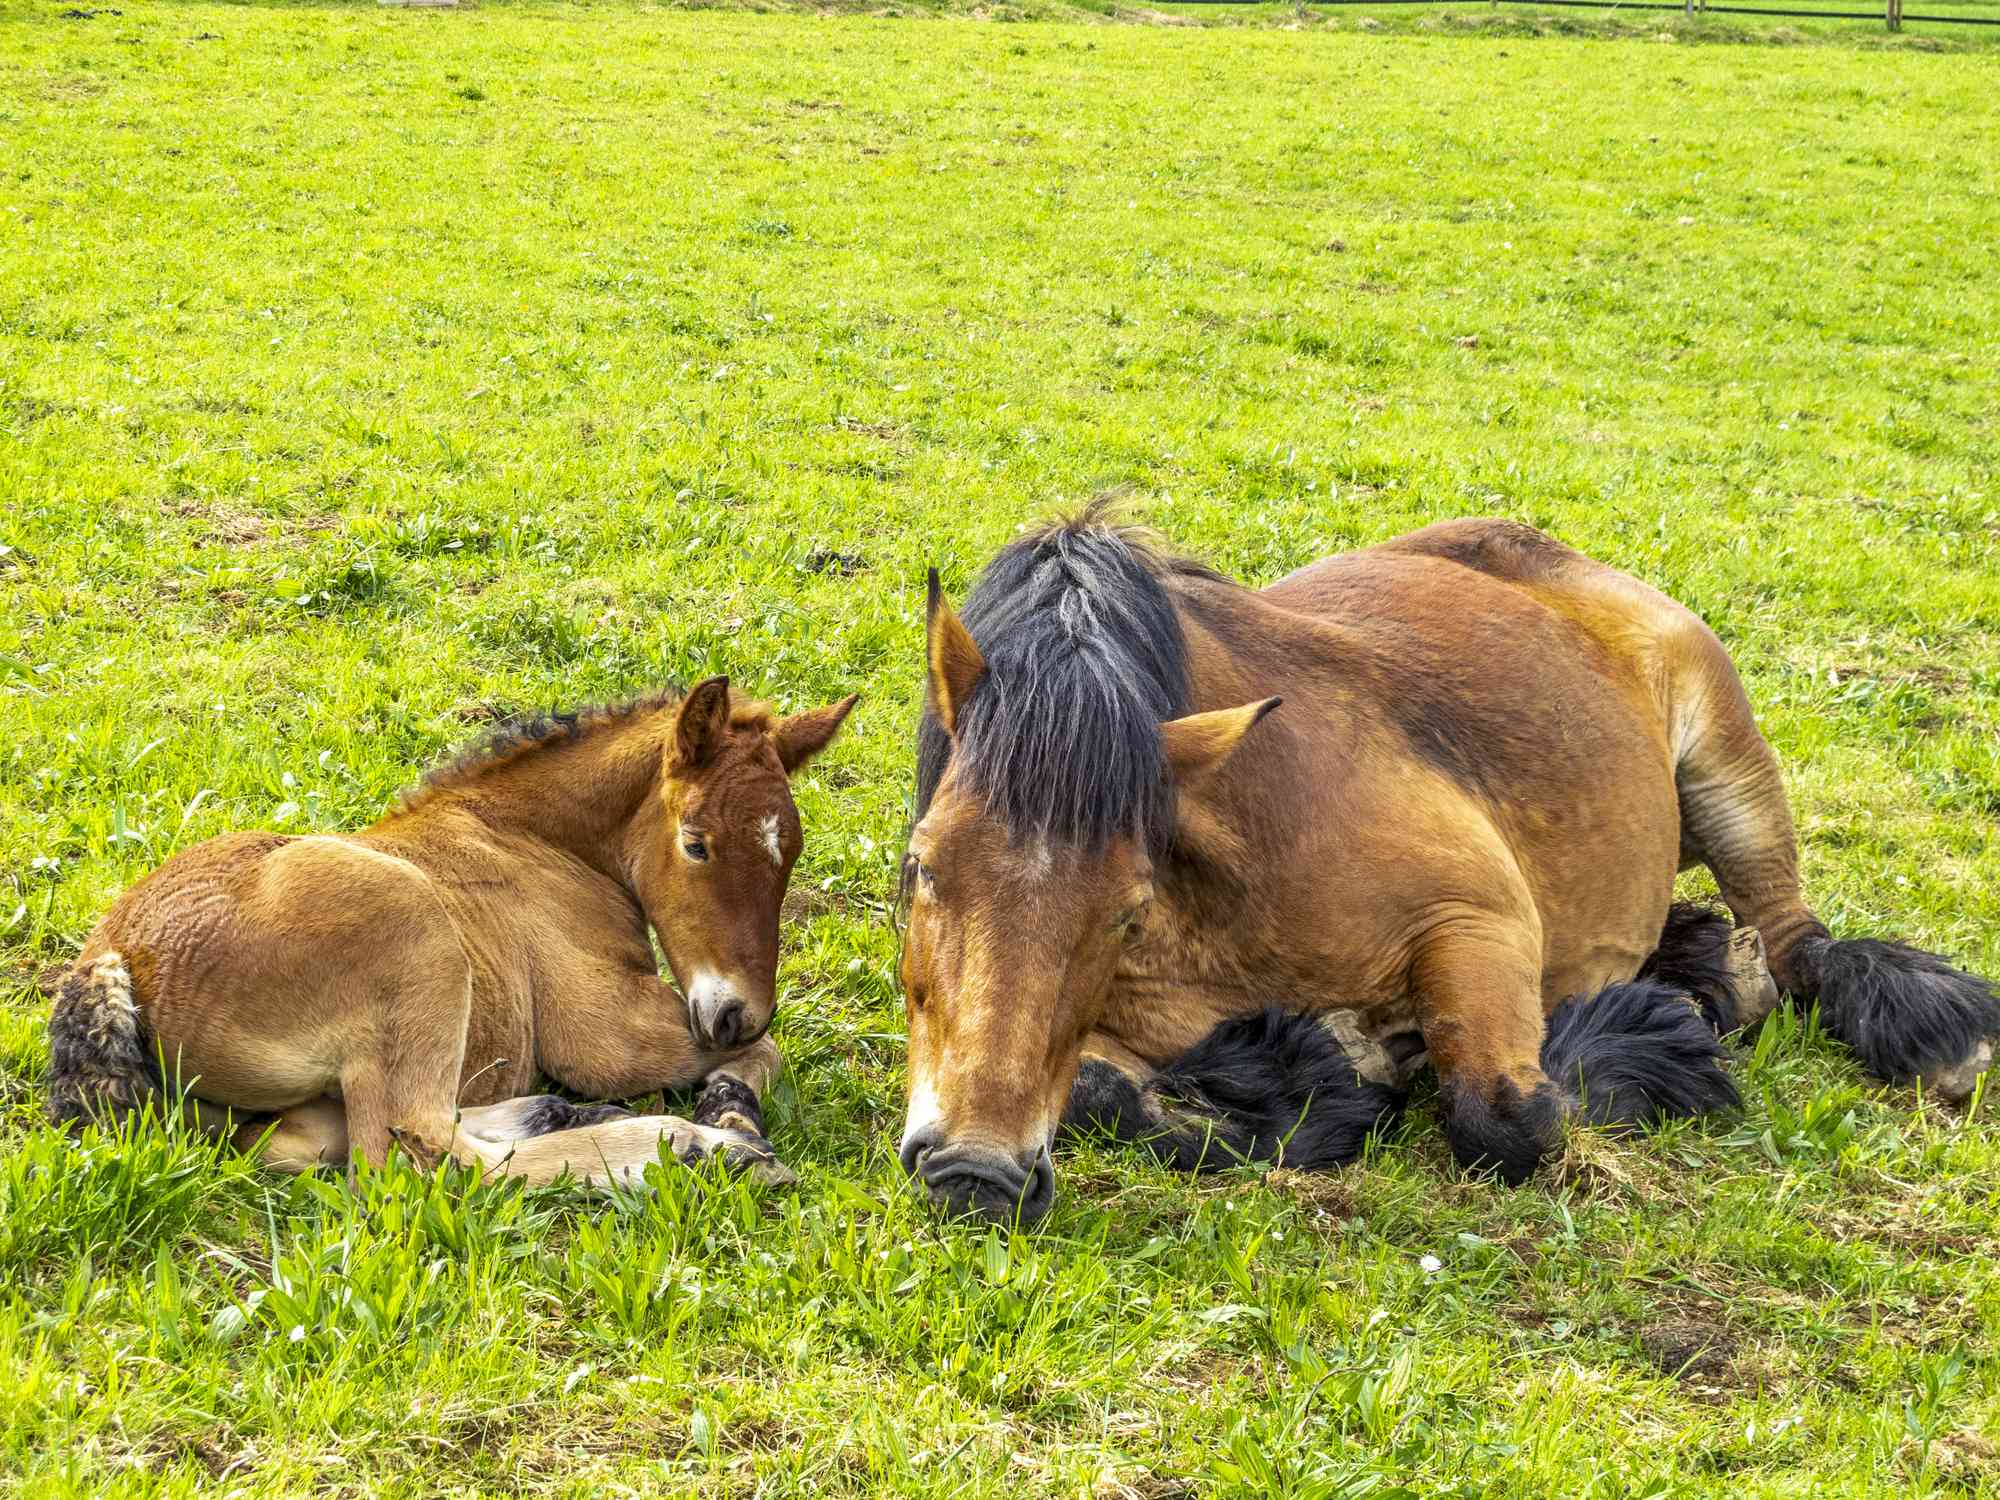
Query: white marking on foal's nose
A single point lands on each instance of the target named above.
(709, 995)
(771, 844)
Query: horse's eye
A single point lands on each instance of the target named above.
(694, 846)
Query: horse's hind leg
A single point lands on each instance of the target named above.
(1908, 1014)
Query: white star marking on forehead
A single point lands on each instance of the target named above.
(771, 844)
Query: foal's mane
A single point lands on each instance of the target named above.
(1085, 658)
(522, 735)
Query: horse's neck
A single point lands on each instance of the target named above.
(1221, 887)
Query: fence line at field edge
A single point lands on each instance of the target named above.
(1891, 12)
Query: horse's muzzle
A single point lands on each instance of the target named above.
(981, 1182)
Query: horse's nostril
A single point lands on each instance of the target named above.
(1040, 1194)
(917, 1145)
(965, 1181)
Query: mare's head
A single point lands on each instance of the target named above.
(712, 866)
(1055, 734)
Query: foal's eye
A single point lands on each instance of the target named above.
(694, 846)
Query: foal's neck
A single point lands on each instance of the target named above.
(580, 796)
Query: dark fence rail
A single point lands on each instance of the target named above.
(1891, 12)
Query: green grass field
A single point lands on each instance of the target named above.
(366, 372)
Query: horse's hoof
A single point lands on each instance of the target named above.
(1957, 1082)
(1750, 973)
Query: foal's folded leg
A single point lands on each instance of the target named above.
(617, 1152)
(530, 1115)
(299, 1139)
(732, 1093)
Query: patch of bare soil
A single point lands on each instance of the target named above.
(1963, 1458)
(1690, 1350)
(474, 712)
(886, 431)
(1322, 1192)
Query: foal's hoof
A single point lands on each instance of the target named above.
(740, 1151)
(1957, 1082)
(761, 1163)
(730, 1104)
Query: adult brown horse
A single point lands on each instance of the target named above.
(1139, 898)
(490, 930)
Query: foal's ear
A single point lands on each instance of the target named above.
(1199, 743)
(955, 663)
(802, 736)
(702, 723)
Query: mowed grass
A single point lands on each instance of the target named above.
(364, 373)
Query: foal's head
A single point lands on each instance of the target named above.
(1046, 788)
(712, 867)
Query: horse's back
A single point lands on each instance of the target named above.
(1528, 676)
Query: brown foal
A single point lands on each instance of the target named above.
(399, 984)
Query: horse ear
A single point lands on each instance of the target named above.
(1199, 743)
(955, 663)
(802, 736)
(702, 722)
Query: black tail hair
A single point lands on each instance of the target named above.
(101, 1061)
(1904, 1011)
(1636, 1053)
(1693, 956)
(1273, 1087)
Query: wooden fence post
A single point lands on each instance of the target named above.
(1894, 14)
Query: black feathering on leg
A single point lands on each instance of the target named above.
(1637, 1053)
(1905, 1012)
(551, 1112)
(1272, 1087)
(1499, 1128)
(1694, 955)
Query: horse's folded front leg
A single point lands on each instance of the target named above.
(1478, 993)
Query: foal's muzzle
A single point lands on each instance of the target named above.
(721, 1020)
(982, 1182)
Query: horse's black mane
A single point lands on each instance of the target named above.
(1084, 660)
